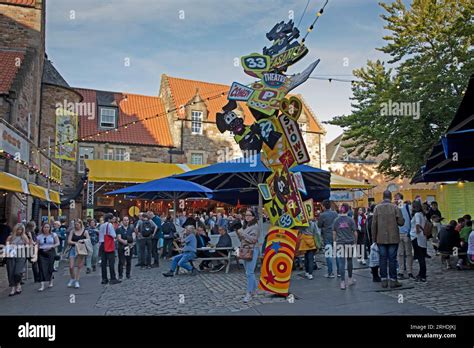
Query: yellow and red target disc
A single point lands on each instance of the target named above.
(278, 260)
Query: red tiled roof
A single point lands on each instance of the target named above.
(9, 68)
(183, 90)
(30, 3)
(155, 131)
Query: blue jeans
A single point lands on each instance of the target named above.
(341, 266)
(182, 260)
(388, 254)
(328, 251)
(249, 266)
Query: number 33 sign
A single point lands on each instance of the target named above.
(256, 64)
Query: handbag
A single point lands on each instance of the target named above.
(81, 249)
(88, 244)
(109, 243)
(245, 253)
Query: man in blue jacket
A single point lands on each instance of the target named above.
(189, 253)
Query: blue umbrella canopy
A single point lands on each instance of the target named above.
(237, 181)
(165, 188)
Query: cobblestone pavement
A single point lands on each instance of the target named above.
(449, 292)
(150, 293)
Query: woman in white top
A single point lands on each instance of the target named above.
(419, 239)
(47, 242)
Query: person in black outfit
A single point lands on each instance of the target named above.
(433, 211)
(224, 242)
(126, 240)
(202, 241)
(448, 240)
(5, 231)
(169, 233)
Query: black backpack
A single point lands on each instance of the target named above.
(147, 229)
(168, 230)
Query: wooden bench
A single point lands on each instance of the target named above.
(227, 258)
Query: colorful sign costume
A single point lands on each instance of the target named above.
(276, 133)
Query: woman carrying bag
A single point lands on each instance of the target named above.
(16, 264)
(76, 252)
(47, 242)
(248, 251)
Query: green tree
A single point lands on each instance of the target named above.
(430, 49)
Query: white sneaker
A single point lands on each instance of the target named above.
(76, 285)
(247, 298)
(351, 281)
(330, 275)
(310, 276)
(343, 285)
(364, 262)
(306, 274)
(71, 283)
(42, 287)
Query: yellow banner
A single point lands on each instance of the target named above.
(56, 172)
(66, 134)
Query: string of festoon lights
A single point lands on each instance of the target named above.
(31, 168)
(154, 117)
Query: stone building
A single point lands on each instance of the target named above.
(22, 57)
(177, 126)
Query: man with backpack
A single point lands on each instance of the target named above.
(145, 230)
(169, 232)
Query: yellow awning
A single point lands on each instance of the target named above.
(39, 192)
(54, 196)
(10, 182)
(134, 172)
(340, 182)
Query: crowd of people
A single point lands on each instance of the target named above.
(390, 236)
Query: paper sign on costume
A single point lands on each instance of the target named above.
(295, 139)
(239, 92)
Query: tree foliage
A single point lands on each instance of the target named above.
(431, 57)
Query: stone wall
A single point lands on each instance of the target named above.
(51, 95)
(21, 26)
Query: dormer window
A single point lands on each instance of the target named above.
(107, 117)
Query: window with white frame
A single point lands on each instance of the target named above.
(196, 122)
(107, 117)
(120, 154)
(84, 154)
(197, 158)
(109, 154)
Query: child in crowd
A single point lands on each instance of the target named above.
(374, 260)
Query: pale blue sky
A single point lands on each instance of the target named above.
(90, 50)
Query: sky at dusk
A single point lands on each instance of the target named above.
(125, 45)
